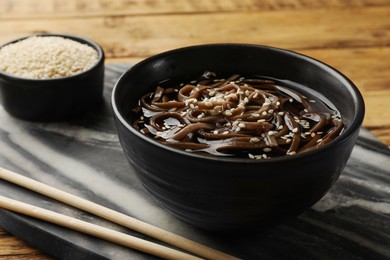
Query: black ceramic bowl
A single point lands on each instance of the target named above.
(234, 193)
(57, 98)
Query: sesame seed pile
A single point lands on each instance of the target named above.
(46, 57)
(243, 117)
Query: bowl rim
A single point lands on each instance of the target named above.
(77, 38)
(343, 137)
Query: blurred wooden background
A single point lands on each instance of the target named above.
(352, 36)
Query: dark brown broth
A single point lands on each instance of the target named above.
(254, 117)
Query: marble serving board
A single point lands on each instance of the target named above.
(83, 156)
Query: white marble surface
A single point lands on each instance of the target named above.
(83, 156)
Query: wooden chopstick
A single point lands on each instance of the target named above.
(94, 230)
(114, 216)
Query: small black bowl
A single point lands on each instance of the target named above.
(57, 98)
(235, 193)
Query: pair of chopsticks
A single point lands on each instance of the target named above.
(197, 250)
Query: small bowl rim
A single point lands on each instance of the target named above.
(343, 137)
(77, 38)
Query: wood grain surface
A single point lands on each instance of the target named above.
(352, 36)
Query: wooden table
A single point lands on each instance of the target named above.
(352, 36)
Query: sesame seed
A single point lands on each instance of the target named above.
(319, 140)
(281, 113)
(264, 113)
(291, 100)
(232, 95)
(291, 153)
(242, 125)
(264, 156)
(312, 134)
(217, 108)
(254, 140)
(280, 127)
(267, 149)
(238, 129)
(256, 95)
(295, 130)
(191, 100)
(255, 115)
(320, 133)
(225, 133)
(201, 115)
(208, 104)
(261, 120)
(251, 156)
(271, 133)
(228, 113)
(288, 140)
(278, 103)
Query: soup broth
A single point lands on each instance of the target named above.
(250, 117)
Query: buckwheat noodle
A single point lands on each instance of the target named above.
(243, 117)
